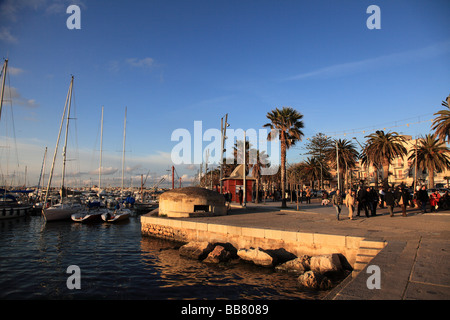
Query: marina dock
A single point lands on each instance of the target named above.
(412, 252)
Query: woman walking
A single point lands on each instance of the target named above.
(350, 202)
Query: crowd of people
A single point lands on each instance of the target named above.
(367, 199)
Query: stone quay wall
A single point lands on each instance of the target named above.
(298, 243)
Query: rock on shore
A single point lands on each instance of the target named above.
(197, 250)
(258, 256)
(314, 271)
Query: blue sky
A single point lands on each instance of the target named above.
(174, 62)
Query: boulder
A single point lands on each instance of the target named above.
(219, 254)
(327, 263)
(300, 265)
(197, 250)
(280, 255)
(258, 256)
(314, 280)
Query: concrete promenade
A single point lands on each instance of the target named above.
(415, 264)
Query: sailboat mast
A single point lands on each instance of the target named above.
(5, 67)
(65, 141)
(56, 148)
(101, 145)
(41, 176)
(123, 153)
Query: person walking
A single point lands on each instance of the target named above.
(325, 198)
(381, 194)
(350, 202)
(390, 201)
(374, 201)
(422, 196)
(403, 199)
(308, 195)
(435, 197)
(241, 195)
(359, 198)
(337, 202)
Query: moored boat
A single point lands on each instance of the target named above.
(117, 215)
(61, 211)
(88, 216)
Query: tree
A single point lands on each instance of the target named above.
(310, 170)
(317, 147)
(289, 123)
(347, 154)
(441, 123)
(382, 148)
(432, 155)
(256, 170)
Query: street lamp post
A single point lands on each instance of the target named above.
(367, 165)
(337, 165)
(223, 131)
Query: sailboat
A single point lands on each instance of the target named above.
(120, 213)
(9, 206)
(93, 213)
(63, 210)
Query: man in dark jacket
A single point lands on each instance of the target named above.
(403, 199)
(363, 201)
(422, 196)
(390, 203)
(337, 201)
(374, 198)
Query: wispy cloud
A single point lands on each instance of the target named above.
(14, 95)
(141, 63)
(105, 171)
(344, 69)
(15, 71)
(6, 36)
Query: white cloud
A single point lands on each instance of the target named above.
(105, 171)
(141, 63)
(15, 71)
(6, 36)
(393, 59)
(14, 95)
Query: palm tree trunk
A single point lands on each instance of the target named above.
(430, 177)
(385, 172)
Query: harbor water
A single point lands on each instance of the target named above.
(117, 262)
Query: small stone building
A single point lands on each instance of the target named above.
(191, 202)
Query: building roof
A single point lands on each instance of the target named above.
(238, 174)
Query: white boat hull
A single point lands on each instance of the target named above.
(119, 215)
(58, 213)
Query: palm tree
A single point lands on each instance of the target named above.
(441, 124)
(347, 154)
(256, 170)
(432, 155)
(310, 170)
(288, 122)
(382, 148)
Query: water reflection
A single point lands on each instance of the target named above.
(116, 262)
(233, 280)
